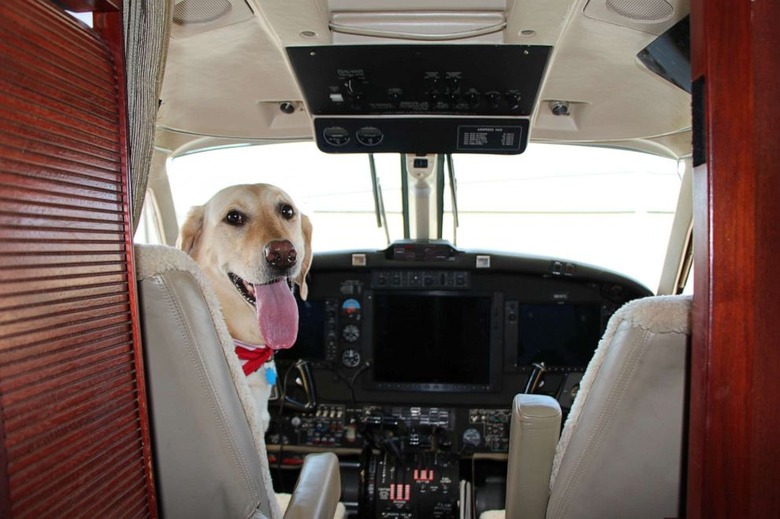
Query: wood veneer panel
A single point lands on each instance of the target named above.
(72, 402)
(734, 458)
(764, 448)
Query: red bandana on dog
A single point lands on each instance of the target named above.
(252, 357)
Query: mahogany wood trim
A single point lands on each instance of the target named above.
(5, 480)
(734, 458)
(764, 448)
(109, 25)
(75, 430)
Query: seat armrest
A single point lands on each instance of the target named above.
(534, 434)
(318, 489)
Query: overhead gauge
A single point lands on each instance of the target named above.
(335, 135)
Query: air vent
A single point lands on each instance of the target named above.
(200, 11)
(649, 11)
(650, 16)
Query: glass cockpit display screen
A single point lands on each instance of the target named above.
(432, 342)
(310, 343)
(558, 334)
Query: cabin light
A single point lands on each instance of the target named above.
(307, 34)
(559, 107)
(527, 32)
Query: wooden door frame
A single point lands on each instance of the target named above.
(734, 457)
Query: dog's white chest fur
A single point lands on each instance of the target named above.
(260, 369)
(261, 388)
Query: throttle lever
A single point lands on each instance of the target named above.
(535, 378)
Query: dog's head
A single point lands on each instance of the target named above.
(254, 245)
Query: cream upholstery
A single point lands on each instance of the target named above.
(535, 426)
(620, 453)
(208, 446)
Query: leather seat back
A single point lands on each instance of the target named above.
(205, 450)
(621, 450)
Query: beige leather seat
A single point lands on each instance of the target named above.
(620, 454)
(208, 447)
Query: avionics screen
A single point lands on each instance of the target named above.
(432, 342)
(558, 334)
(310, 342)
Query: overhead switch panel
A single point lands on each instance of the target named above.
(375, 88)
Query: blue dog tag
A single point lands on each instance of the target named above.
(270, 375)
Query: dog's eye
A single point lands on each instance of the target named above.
(236, 218)
(287, 211)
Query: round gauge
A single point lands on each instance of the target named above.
(350, 358)
(351, 333)
(351, 309)
(336, 135)
(369, 136)
(472, 437)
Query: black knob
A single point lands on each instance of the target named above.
(395, 96)
(513, 100)
(493, 99)
(472, 98)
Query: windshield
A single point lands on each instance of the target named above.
(605, 207)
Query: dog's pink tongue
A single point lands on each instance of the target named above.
(277, 314)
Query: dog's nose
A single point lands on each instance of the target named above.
(280, 254)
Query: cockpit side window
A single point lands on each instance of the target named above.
(150, 228)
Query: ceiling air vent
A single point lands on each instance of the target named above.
(200, 11)
(650, 16)
(649, 11)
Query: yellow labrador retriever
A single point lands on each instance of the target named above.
(254, 246)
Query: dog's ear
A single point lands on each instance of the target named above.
(191, 229)
(306, 227)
